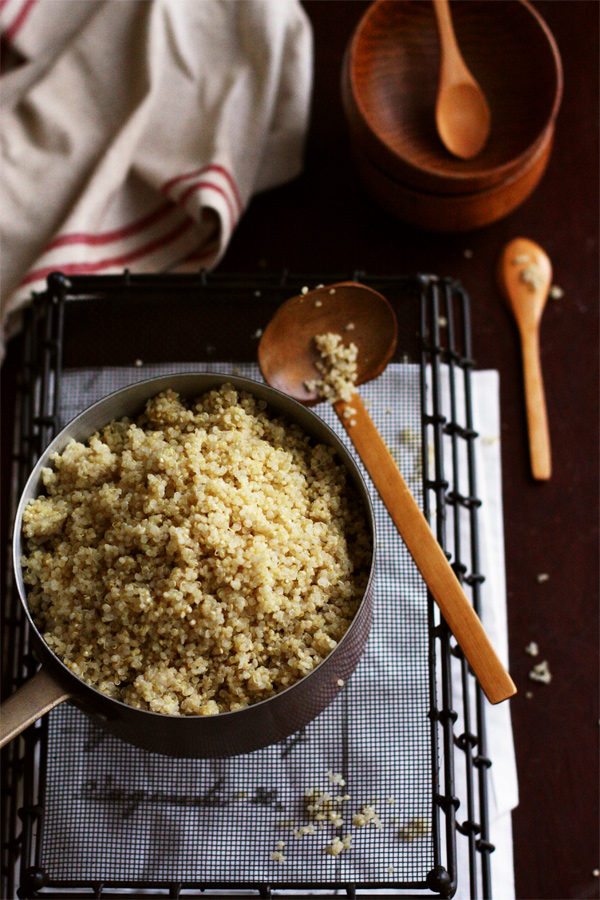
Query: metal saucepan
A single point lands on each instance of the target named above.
(224, 734)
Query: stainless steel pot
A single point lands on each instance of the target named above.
(225, 734)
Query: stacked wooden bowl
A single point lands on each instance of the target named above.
(389, 87)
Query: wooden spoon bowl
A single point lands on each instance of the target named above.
(286, 352)
(462, 113)
(390, 86)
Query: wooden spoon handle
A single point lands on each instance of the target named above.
(427, 553)
(451, 58)
(535, 403)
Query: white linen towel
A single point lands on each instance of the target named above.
(136, 131)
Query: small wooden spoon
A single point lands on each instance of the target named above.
(287, 356)
(462, 113)
(524, 277)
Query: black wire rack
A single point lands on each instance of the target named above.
(125, 320)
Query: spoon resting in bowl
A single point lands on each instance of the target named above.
(287, 358)
(462, 114)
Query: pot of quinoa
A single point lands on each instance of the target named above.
(195, 556)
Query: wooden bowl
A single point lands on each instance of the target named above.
(453, 212)
(390, 79)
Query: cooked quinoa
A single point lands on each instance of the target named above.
(338, 845)
(337, 365)
(197, 560)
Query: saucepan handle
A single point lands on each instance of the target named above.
(33, 700)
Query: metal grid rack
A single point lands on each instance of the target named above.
(61, 330)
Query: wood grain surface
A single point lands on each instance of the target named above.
(325, 222)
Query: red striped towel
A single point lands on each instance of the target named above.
(135, 132)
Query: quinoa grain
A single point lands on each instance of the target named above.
(337, 365)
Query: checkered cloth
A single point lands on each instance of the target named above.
(116, 812)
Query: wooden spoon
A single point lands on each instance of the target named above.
(524, 277)
(287, 356)
(462, 113)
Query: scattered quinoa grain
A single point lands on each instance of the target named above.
(556, 292)
(543, 577)
(303, 830)
(337, 777)
(531, 276)
(541, 673)
(532, 648)
(367, 816)
(318, 805)
(338, 846)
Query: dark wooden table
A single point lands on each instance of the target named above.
(325, 222)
